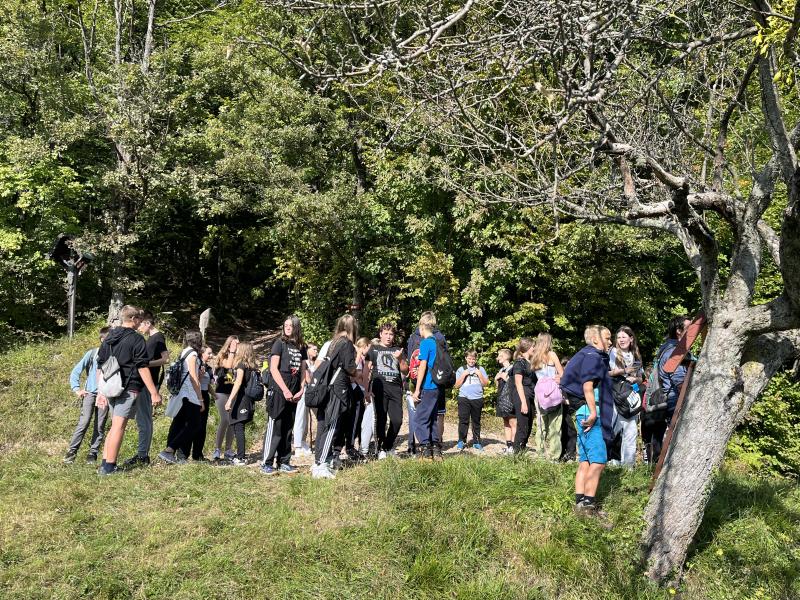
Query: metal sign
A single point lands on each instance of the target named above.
(354, 307)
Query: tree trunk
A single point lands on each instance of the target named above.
(117, 293)
(729, 375)
(358, 299)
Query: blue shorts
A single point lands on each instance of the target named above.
(591, 445)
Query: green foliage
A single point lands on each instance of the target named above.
(768, 440)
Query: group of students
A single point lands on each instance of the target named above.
(570, 400)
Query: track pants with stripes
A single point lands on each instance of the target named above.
(278, 437)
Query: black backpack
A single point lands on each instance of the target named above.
(655, 401)
(319, 389)
(626, 399)
(442, 371)
(174, 371)
(254, 389)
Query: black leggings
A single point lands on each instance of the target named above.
(569, 435)
(469, 409)
(194, 447)
(524, 422)
(238, 432)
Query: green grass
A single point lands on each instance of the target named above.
(468, 528)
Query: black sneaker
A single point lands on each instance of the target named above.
(137, 461)
(91, 459)
(117, 470)
(70, 457)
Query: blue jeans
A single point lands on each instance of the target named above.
(425, 417)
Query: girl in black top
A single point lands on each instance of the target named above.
(502, 379)
(224, 376)
(342, 353)
(522, 394)
(240, 406)
(287, 368)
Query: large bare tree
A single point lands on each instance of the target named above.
(676, 116)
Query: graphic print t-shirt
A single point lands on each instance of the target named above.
(290, 361)
(384, 364)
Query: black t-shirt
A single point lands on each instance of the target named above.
(156, 344)
(291, 359)
(343, 356)
(529, 379)
(384, 365)
(245, 379)
(224, 380)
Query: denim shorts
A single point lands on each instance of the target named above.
(591, 445)
(124, 406)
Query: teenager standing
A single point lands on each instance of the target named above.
(302, 417)
(470, 381)
(158, 354)
(509, 418)
(626, 361)
(128, 347)
(287, 369)
(241, 407)
(522, 393)
(87, 397)
(546, 365)
(386, 363)
(341, 352)
(426, 393)
(187, 422)
(224, 378)
(194, 448)
(588, 388)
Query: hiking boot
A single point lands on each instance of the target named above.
(424, 452)
(70, 457)
(436, 453)
(91, 459)
(289, 469)
(268, 470)
(138, 461)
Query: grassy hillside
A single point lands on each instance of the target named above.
(468, 528)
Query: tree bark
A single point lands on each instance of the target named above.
(731, 372)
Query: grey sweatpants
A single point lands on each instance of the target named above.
(101, 416)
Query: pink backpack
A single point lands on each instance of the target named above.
(547, 394)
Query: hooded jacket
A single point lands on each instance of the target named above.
(130, 351)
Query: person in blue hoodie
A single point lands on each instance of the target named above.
(87, 396)
(589, 391)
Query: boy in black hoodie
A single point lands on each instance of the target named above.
(129, 348)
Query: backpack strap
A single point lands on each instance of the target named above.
(91, 360)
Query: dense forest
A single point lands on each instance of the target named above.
(515, 166)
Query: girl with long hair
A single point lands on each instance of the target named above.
(342, 354)
(501, 380)
(522, 396)
(240, 406)
(626, 361)
(287, 368)
(302, 417)
(186, 423)
(545, 363)
(194, 448)
(224, 374)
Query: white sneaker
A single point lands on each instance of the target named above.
(391, 454)
(238, 463)
(305, 447)
(381, 455)
(322, 472)
(230, 454)
(216, 454)
(301, 452)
